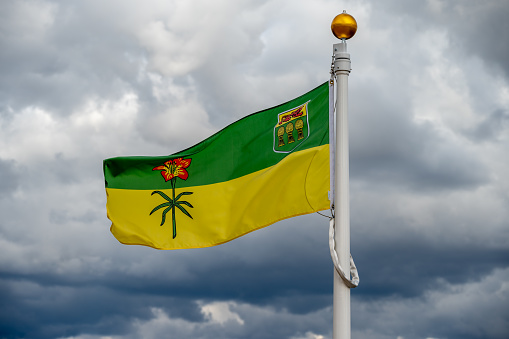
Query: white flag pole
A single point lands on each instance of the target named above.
(344, 27)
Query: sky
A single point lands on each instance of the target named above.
(82, 81)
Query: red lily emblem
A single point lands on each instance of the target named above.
(174, 168)
(171, 170)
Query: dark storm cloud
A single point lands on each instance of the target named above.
(212, 273)
(105, 304)
(99, 311)
(406, 267)
(409, 267)
(72, 310)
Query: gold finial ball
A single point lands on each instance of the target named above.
(344, 26)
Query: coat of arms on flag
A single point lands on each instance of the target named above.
(291, 129)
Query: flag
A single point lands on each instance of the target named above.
(268, 166)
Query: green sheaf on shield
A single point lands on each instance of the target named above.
(290, 135)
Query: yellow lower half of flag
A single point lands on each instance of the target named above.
(224, 211)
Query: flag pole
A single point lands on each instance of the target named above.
(343, 27)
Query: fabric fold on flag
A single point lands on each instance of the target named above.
(268, 166)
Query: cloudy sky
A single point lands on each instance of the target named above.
(81, 81)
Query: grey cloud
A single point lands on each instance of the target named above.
(491, 126)
(9, 177)
(480, 28)
(474, 26)
(426, 211)
(63, 217)
(56, 61)
(387, 148)
(391, 269)
(455, 314)
(79, 309)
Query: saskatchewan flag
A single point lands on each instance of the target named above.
(268, 166)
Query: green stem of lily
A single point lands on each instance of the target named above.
(174, 221)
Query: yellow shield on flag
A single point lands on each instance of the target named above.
(291, 129)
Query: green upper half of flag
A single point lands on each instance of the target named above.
(255, 142)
